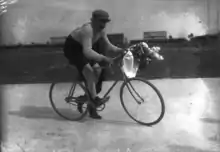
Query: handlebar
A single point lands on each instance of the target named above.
(120, 56)
(153, 53)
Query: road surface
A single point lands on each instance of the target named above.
(191, 122)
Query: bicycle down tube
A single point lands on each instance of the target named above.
(110, 89)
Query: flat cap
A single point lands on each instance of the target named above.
(101, 15)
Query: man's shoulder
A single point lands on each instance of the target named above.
(86, 29)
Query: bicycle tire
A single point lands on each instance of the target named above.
(157, 92)
(71, 91)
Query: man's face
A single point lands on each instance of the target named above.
(100, 24)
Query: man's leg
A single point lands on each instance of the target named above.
(90, 77)
(99, 79)
(98, 71)
(98, 82)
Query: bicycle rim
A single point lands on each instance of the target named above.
(130, 97)
(62, 98)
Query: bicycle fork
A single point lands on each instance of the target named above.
(139, 102)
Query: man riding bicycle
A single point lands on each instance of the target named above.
(83, 51)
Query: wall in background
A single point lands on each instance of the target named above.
(180, 62)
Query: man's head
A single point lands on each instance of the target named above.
(99, 19)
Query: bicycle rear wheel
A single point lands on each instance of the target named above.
(63, 98)
(135, 99)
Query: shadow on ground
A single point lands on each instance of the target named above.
(210, 120)
(34, 112)
(114, 122)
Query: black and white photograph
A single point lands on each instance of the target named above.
(110, 75)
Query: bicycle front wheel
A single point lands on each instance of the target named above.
(63, 98)
(142, 101)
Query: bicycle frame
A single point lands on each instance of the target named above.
(125, 78)
(113, 85)
(111, 88)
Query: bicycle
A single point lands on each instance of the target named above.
(76, 86)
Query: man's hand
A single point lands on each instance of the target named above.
(106, 61)
(120, 50)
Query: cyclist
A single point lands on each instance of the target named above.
(82, 49)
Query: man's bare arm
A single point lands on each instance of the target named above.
(109, 45)
(87, 47)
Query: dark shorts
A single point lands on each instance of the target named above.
(73, 51)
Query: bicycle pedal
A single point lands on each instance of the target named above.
(68, 99)
(74, 100)
(82, 99)
(106, 99)
(79, 108)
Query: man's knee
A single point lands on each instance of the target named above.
(88, 73)
(97, 70)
